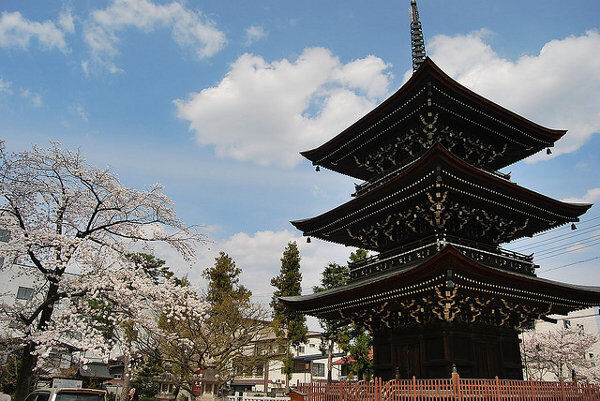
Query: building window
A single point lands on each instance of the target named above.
(318, 369)
(567, 324)
(25, 293)
(301, 367)
(4, 235)
(312, 345)
(580, 328)
(166, 388)
(301, 348)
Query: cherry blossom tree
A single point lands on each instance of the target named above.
(559, 353)
(218, 339)
(119, 310)
(71, 226)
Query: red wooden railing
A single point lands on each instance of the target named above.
(449, 390)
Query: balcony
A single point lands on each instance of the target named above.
(482, 253)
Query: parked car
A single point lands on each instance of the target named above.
(67, 394)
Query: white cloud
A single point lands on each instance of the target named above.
(16, 31)
(254, 33)
(268, 112)
(557, 88)
(66, 21)
(591, 196)
(577, 248)
(34, 98)
(367, 75)
(258, 255)
(5, 86)
(189, 29)
(80, 111)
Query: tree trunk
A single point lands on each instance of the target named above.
(329, 361)
(287, 358)
(25, 375)
(124, 396)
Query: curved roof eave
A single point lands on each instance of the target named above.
(430, 68)
(423, 265)
(439, 151)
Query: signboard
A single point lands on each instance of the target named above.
(67, 383)
(197, 387)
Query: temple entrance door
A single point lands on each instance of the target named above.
(486, 359)
(408, 360)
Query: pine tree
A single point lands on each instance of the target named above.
(224, 283)
(334, 330)
(289, 324)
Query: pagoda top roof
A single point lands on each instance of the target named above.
(440, 171)
(412, 278)
(494, 122)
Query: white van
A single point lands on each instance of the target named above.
(67, 394)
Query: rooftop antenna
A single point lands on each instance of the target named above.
(417, 43)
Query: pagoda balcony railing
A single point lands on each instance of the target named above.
(360, 189)
(378, 180)
(482, 253)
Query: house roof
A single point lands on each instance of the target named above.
(315, 357)
(95, 371)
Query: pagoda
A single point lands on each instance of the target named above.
(434, 207)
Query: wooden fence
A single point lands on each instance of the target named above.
(449, 390)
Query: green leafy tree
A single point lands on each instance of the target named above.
(146, 372)
(360, 340)
(359, 347)
(289, 324)
(334, 330)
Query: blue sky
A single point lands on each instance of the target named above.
(215, 99)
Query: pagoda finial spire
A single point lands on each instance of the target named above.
(417, 42)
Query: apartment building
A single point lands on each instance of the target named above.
(267, 374)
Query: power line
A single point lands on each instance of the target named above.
(574, 247)
(582, 222)
(568, 235)
(563, 246)
(570, 264)
(568, 251)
